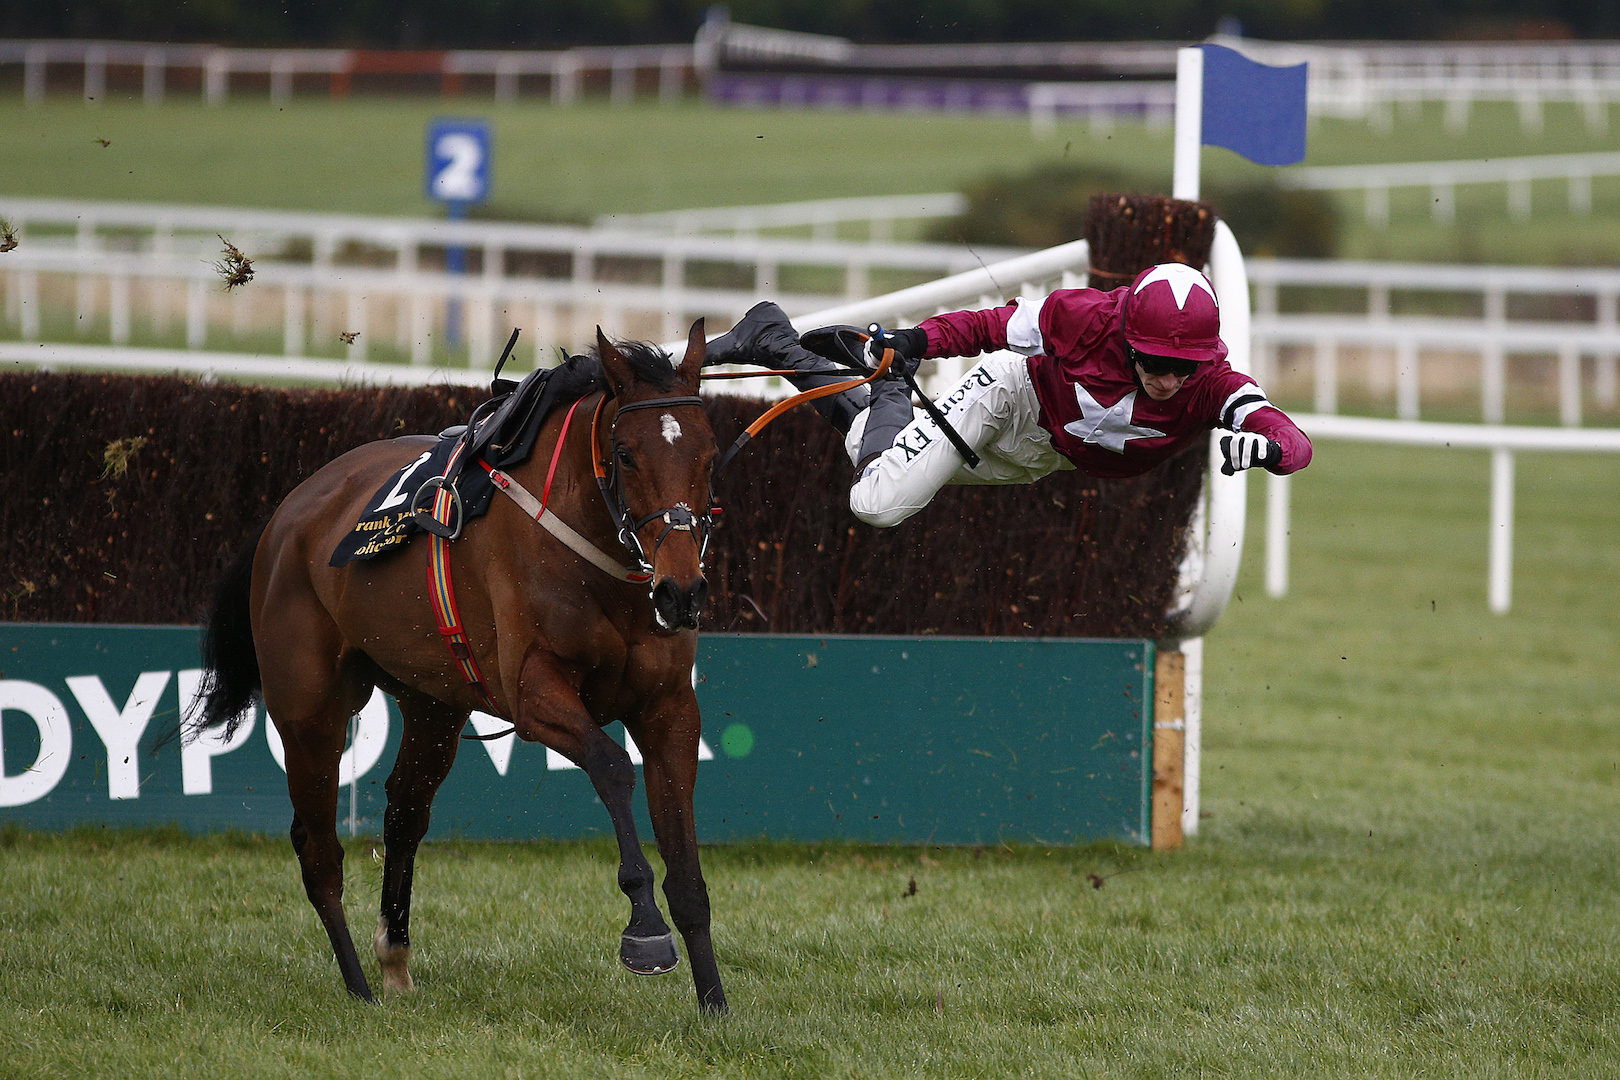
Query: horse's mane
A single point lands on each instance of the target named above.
(648, 362)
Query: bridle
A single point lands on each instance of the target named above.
(610, 481)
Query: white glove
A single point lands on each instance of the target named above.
(1246, 450)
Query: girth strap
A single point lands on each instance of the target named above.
(442, 597)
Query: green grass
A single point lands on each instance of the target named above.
(365, 156)
(1409, 870)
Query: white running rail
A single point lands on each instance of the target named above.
(1442, 177)
(822, 216)
(564, 70)
(555, 280)
(1401, 341)
(1502, 441)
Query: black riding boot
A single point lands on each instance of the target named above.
(889, 415)
(765, 336)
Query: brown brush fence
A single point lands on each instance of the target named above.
(125, 497)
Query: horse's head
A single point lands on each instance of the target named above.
(661, 455)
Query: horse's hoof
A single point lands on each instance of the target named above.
(649, 955)
(394, 961)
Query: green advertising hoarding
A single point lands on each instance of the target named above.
(909, 740)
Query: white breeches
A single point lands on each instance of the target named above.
(993, 408)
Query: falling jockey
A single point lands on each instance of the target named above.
(1110, 383)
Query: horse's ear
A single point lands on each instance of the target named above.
(696, 349)
(619, 376)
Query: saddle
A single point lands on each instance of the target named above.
(501, 432)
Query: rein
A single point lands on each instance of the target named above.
(787, 403)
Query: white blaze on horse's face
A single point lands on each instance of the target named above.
(671, 428)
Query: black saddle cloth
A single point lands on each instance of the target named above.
(505, 439)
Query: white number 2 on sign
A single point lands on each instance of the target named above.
(461, 178)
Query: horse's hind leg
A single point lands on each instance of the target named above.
(310, 697)
(427, 749)
(312, 782)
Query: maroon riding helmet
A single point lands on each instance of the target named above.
(1172, 311)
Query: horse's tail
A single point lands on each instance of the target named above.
(231, 664)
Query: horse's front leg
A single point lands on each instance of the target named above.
(552, 713)
(668, 737)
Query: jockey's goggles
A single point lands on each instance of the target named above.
(1161, 365)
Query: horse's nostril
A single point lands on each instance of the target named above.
(677, 607)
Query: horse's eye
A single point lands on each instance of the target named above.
(625, 457)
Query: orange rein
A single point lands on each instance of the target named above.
(787, 403)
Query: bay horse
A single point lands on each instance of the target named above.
(564, 648)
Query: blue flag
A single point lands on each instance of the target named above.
(1253, 109)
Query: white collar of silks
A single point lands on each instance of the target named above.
(1181, 278)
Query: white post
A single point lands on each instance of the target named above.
(506, 81)
(479, 330)
(765, 271)
(196, 313)
(1443, 201)
(1569, 384)
(216, 77)
(153, 73)
(1493, 390)
(118, 309)
(1377, 204)
(1189, 122)
(95, 74)
(671, 76)
(565, 80)
(85, 292)
(1265, 354)
(1042, 111)
(1408, 379)
(1327, 375)
(1530, 112)
(357, 325)
(28, 304)
(1519, 197)
(857, 283)
(1277, 492)
(671, 280)
(622, 79)
(1580, 192)
(421, 328)
(1192, 705)
(281, 79)
(1458, 105)
(292, 322)
(1501, 559)
(35, 58)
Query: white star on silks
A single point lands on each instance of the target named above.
(1107, 426)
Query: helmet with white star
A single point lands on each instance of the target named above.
(1171, 310)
